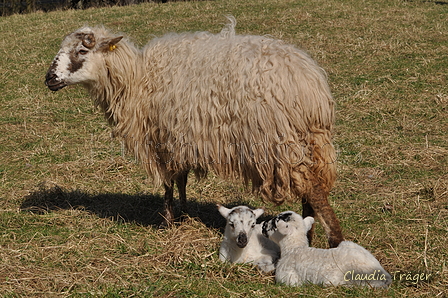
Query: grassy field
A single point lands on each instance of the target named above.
(79, 219)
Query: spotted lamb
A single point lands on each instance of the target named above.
(243, 241)
(347, 264)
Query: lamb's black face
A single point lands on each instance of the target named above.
(269, 227)
(285, 216)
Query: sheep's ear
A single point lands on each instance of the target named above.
(223, 210)
(308, 222)
(258, 212)
(110, 44)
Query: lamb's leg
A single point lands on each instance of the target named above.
(326, 215)
(307, 210)
(181, 182)
(168, 206)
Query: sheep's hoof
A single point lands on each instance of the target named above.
(165, 225)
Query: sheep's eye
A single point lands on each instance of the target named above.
(83, 52)
(232, 225)
(253, 226)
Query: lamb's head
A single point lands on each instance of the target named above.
(76, 60)
(289, 225)
(241, 221)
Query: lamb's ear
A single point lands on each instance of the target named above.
(308, 222)
(223, 210)
(110, 44)
(258, 212)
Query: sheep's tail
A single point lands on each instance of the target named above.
(229, 29)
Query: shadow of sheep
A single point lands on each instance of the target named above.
(140, 208)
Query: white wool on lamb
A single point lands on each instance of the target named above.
(347, 264)
(243, 241)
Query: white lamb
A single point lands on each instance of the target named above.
(347, 264)
(243, 241)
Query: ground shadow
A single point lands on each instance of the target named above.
(429, 1)
(143, 209)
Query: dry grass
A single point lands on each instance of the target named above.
(77, 219)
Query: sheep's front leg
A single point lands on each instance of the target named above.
(168, 206)
(181, 182)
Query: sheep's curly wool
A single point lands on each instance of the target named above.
(247, 107)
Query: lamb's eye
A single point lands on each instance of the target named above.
(232, 225)
(253, 226)
(83, 52)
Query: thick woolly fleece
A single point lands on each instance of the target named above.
(246, 107)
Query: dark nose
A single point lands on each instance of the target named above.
(49, 76)
(53, 82)
(241, 240)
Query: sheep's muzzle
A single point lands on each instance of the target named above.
(241, 240)
(53, 82)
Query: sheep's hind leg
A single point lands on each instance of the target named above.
(326, 215)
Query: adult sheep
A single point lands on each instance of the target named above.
(245, 107)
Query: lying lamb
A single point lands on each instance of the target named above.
(347, 264)
(243, 241)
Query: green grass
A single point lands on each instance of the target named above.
(79, 219)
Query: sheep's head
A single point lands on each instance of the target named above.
(241, 222)
(287, 223)
(75, 61)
